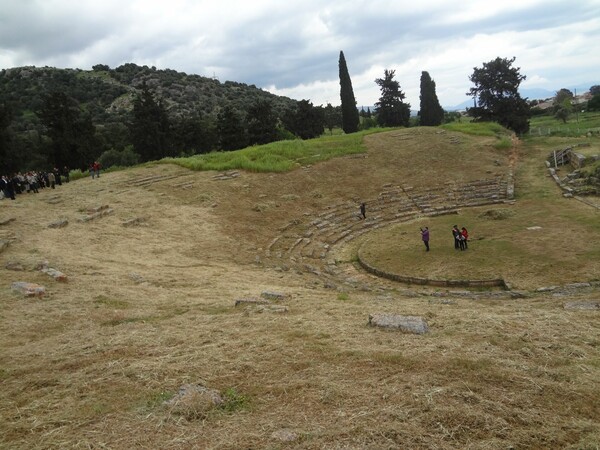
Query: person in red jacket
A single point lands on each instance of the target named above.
(96, 168)
(465, 236)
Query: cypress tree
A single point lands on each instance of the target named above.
(431, 113)
(350, 117)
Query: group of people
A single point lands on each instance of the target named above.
(95, 169)
(31, 182)
(461, 238)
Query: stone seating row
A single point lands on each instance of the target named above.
(341, 222)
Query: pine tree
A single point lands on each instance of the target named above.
(150, 128)
(231, 130)
(391, 110)
(261, 121)
(497, 92)
(333, 117)
(70, 130)
(305, 121)
(431, 113)
(195, 134)
(350, 119)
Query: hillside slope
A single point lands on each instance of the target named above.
(150, 306)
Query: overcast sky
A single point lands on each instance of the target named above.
(291, 47)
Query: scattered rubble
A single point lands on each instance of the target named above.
(97, 212)
(269, 295)
(43, 267)
(14, 265)
(137, 221)
(194, 401)
(61, 223)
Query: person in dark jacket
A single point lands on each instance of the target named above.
(7, 185)
(456, 234)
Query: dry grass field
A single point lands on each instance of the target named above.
(151, 307)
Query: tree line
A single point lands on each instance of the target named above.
(131, 114)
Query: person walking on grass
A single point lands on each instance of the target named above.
(363, 211)
(425, 237)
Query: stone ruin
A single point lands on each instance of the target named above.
(575, 182)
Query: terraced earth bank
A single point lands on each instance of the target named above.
(248, 285)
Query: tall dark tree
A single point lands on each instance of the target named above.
(71, 132)
(431, 113)
(150, 127)
(390, 109)
(497, 94)
(305, 121)
(6, 165)
(231, 129)
(350, 119)
(261, 122)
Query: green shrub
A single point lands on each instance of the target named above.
(280, 156)
(124, 158)
(76, 174)
(234, 401)
(503, 144)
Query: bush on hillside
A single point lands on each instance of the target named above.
(594, 103)
(123, 158)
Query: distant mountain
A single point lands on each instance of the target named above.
(107, 94)
(460, 107)
(373, 108)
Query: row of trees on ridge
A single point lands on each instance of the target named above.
(71, 138)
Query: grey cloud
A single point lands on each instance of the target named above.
(271, 48)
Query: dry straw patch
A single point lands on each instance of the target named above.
(148, 309)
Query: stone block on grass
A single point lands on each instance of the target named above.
(405, 324)
(270, 295)
(29, 289)
(54, 273)
(592, 305)
(61, 223)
